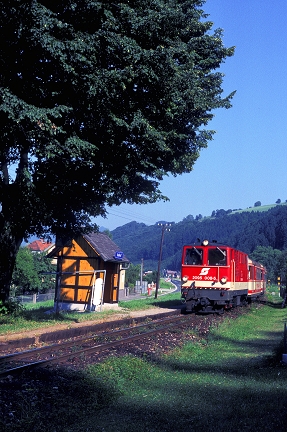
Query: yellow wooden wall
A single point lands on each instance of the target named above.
(76, 287)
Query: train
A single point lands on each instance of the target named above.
(216, 277)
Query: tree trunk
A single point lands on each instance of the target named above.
(12, 222)
(9, 246)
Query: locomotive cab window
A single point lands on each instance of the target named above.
(217, 257)
(193, 256)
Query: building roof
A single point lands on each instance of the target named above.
(40, 246)
(100, 243)
(105, 247)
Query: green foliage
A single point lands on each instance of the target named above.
(29, 273)
(273, 259)
(132, 274)
(25, 276)
(164, 301)
(12, 307)
(272, 294)
(45, 270)
(98, 101)
(150, 277)
(34, 316)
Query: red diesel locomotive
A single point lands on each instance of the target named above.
(217, 277)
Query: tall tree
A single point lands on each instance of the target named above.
(98, 101)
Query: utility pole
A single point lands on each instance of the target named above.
(163, 229)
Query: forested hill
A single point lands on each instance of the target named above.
(245, 231)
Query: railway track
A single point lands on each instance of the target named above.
(71, 350)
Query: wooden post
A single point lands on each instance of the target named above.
(164, 228)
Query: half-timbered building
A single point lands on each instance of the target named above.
(90, 270)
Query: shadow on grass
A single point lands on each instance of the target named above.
(36, 315)
(215, 394)
(274, 305)
(234, 357)
(168, 304)
(52, 400)
(45, 314)
(191, 408)
(198, 398)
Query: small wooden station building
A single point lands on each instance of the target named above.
(89, 272)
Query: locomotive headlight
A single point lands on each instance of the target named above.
(185, 278)
(205, 242)
(223, 280)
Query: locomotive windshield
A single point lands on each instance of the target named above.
(193, 256)
(217, 257)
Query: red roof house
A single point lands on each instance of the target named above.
(40, 246)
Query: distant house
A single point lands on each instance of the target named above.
(172, 273)
(90, 272)
(40, 246)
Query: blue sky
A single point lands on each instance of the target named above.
(247, 159)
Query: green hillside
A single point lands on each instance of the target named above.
(246, 230)
(259, 208)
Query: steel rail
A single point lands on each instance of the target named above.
(96, 348)
(23, 354)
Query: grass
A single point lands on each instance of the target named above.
(39, 315)
(231, 379)
(167, 300)
(273, 294)
(47, 305)
(259, 208)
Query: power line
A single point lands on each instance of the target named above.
(130, 215)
